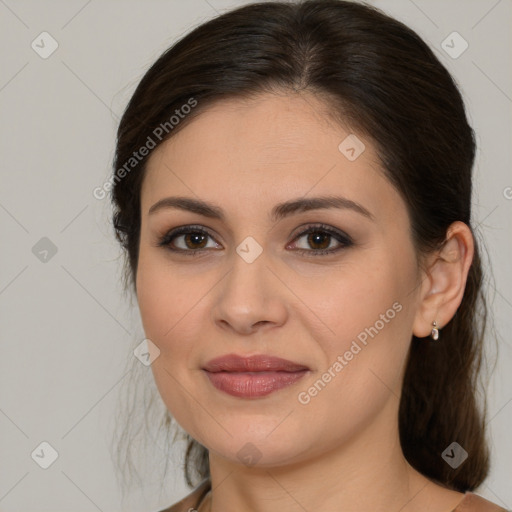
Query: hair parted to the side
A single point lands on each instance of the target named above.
(379, 77)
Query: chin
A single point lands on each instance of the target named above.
(263, 444)
(258, 454)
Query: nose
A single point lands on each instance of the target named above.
(250, 297)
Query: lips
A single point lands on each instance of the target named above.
(254, 376)
(259, 363)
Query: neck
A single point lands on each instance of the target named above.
(367, 473)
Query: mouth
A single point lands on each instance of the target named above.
(254, 376)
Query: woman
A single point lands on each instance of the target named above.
(293, 192)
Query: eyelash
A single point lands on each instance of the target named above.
(341, 237)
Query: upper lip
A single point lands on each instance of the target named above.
(256, 363)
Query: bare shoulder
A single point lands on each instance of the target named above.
(474, 503)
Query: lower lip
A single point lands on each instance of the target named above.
(253, 385)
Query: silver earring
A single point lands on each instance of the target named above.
(435, 331)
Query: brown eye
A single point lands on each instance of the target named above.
(195, 240)
(320, 240)
(187, 239)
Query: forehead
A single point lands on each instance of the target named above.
(267, 127)
(271, 145)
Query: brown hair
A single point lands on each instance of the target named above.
(380, 77)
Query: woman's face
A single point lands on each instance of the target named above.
(257, 285)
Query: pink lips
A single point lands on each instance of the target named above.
(254, 376)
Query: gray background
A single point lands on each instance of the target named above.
(67, 331)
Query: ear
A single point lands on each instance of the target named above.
(444, 280)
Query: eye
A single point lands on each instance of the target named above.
(320, 238)
(191, 240)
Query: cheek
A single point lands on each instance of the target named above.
(363, 368)
(173, 316)
(163, 312)
(164, 298)
(361, 296)
(369, 322)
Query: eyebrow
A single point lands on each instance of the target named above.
(279, 211)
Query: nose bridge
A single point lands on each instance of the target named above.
(248, 295)
(248, 278)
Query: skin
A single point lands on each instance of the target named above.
(340, 450)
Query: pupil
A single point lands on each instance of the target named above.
(313, 239)
(196, 238)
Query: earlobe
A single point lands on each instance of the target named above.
(445, 281)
